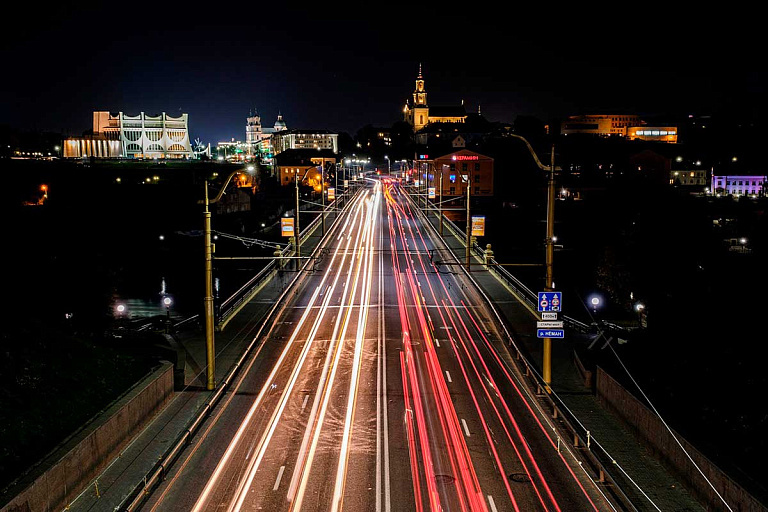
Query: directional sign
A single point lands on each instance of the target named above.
(331, 194)
(478, 226)
(550, 301)
(550, 333)
(286, 226)
(549, 316)
(431, 192)
(549, 325)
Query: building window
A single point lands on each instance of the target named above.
(477, 166)
(477, 178)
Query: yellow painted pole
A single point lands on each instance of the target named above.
(547, 359)
(209, 341)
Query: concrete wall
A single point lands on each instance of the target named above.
(650, 429)
(62, 476)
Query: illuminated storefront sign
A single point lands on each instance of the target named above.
(465, 157)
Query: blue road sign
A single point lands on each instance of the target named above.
(550, 333)
(550, 301)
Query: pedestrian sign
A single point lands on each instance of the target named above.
(550, 301)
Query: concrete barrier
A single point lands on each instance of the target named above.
(649, 428)
(61, 477)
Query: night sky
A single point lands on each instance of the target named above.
(341, 68)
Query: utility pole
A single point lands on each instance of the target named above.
(469, 222)
(296, 228)
(550, 248)
(209, 346)
(322, 198)
(440, 201)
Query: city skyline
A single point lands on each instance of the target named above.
(341, 71)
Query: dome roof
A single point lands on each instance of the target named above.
(280, 124)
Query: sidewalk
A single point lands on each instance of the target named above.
(666, 492)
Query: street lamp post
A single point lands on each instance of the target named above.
(296, 233)
(469, 223)
(208, 300)
(440, 201)
(322, 199)
(550, 248)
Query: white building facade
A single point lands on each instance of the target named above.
(145, 136)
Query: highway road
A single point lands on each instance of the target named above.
(383, 384)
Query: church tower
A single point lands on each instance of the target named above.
(253, 134)
(417, 115)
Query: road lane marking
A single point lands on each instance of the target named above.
(448, 376)
(279, 477)
(437, 342)
(466, 429)
(492, 503)
(303, 405)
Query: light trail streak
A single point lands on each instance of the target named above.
(467, 486)
(359, 345)
(223, 462)
(486, 381)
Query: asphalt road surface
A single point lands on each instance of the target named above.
(383, 384)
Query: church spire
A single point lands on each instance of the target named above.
(419, 77)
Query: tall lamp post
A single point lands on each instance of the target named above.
(550, 249)
(208, 300)
(296, 230)
(469, 222)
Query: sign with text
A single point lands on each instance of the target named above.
(549, 316)
(286, 226)
(431, 192)
(550, 333)
(550, 301)
(478, 226)
(331, 194)
(549, 325)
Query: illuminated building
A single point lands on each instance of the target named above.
(419, 114)
(258, 141)
(478, 168)
(304, 164)
(695, 177)
(145, 136)
(743, 185)
(603, 125)
(305, 139)
(653, 133)
(91, 147)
